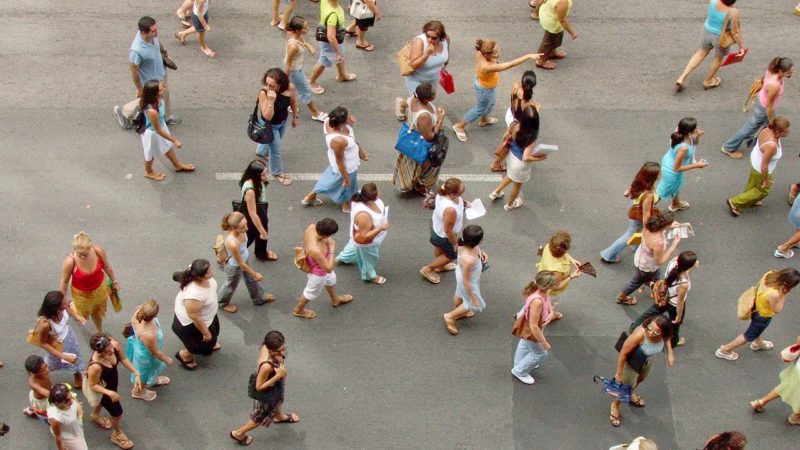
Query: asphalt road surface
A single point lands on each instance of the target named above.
(382, 372)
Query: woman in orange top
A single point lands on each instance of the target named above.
(86, 268)
(487, 69)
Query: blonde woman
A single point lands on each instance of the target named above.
(144, 350)
(556, 259)
(487, 76)
(539, 312)
(238, 264)
(84, 270)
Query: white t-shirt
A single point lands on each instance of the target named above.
(351, 159)
(442, 203)
(378, 219)
(197, 11)
(206, 296)
(673, 290)
(71, 425)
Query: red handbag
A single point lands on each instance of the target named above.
(446, 81)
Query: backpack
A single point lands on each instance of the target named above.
(220, 251)
(661, 292)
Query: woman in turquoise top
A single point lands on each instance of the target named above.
(156, 137)
(471, 263)
(678, 159)
(145, 341)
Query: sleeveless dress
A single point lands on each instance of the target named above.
(148, 365)
(89, 291)
(474, 278)
(409, 174)
(671, 182)
(66, 335)
(264, 412)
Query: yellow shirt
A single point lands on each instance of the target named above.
(561, 265)
(548, 17)
(763, 307)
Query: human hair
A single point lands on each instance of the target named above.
(253, 174)
(471, 236)
(51, 304)
(99, 341)
(544, 279)
(728, 2)
(648, 444)
(664, 324)
(780, 64)
(33, 363)
(780, 123)
(147, 311)
(450, 187)
(645, 178)
(686, 260)
(435, 26)
(82, 240)
(786, 279)
(528, 82)
(231, 221)
(145, 23)
(685, 126)
(425, 93)
(326, 227)
(194, 272)
(274, 340)
(485, 46)
(279, 76)
(59, 393)
(368, 193)
(559, 243)
(149, 94)
(657, 222)
(727, 440)
(338, 117)
(527, 130)
(296, 23)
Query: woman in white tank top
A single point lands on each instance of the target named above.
(446, 223)
(369, 220)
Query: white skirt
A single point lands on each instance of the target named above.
(154, 144)
(518, 171)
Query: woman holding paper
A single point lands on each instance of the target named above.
(369, 220)
(678, 159)
(519, 158)
(446, 223)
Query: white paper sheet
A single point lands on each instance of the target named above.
(475, 210)
(543, 149)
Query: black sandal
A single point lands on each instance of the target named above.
(243, 441)
(185, 364)
(290, 418)
(638, 403)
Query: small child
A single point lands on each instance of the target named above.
(39, 382)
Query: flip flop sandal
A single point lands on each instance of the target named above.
(460, 135)
(557, 316)
(639, 403)
(268, 299)
(715, 83)
(615, 420)
(450, 325)
(547, 65)
(432, 277)
(186, 168)
(628, 301)
(398, 109)
(491, 121)
(243, 441)
(736, 154)
(315, 202)
(155, 176)
(162, 381)
(217, 347)
(230, 308)
(734, 212)
(498, 169)
(343, 300)
(559, 55)
(102, 422)
(308, 314)
(757, 406)
(469, 315)
(350, 33)
(318, 90)
(320, 117)
(290, 418)
(178, 37)
(348, 77)
(284, 179)
(186, 22)
(367, 48)
(377, 280)
(185, 364)
(121, 443)
(271, 256)
(678, 87)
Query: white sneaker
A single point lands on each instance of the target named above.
(787, 254)
(123, 121)
(527, 379)
(494, 195)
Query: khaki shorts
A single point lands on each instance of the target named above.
(630, 377)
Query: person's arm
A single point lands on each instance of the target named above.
(564, 281)
(631, 344)
(266, 103)
(737, 31)
(152, 114)
(373, 6)
(331, 33)
(338, 145)
(449, 218)
(291, 50)
(233, 249)
(293, 105)
(679, 157)
(327, 264)
(364, 222)
(534, 313)
(55, 427)
(767, 152)
(647, 206)
(200, 17)
(194, 309)
(561, 12)
(93, 375)
(252, 210)
(101, 253)
(151, 343)
(418, 56)
(137, 79)
(500, 67)
(681, 300)
(465, 266)
(528, 156)
(362, 154)
(37, 388)
(776, 301)
(263, 380)
(72, 310)
(427, 128)
(670, 354)
(137, 384)
(660, 255)
(309, 46)
(44, 338)
(772, 94)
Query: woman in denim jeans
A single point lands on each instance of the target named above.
(770, 299)
(274, 101)
(642, 192)
(487, 76)
(296, 47)
(238, 264)
(764, 106)
(539, 312)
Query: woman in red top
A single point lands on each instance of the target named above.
(86, 268)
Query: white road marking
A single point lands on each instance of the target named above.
(470, 177)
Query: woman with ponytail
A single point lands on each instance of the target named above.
(521, 99)
(539, 312)
(238, 264)
(471, 263)
(196, 323)
(487, 76)
(156, 137)
(447, 222)
(641, 192)
(144, 350)
(678, 159)
(519, 158)
(678, 283)
(368, 225)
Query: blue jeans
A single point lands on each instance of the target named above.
(232, 276)
(484, 102)
(300, 83)
(748, 131)
(273, 150)
(529, 354)
(612, 253)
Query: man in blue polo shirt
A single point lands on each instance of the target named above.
(146, 63)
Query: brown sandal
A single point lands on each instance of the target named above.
(627, 300)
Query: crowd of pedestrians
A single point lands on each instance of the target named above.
(88, 281)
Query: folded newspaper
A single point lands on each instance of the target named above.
(685, 230)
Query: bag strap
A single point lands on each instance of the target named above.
(725, 23)
(325, 22)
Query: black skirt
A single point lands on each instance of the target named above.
(192, 338)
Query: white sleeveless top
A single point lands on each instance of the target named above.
(297, 61)
(60, 329)
(378, 219)
(197, 11)
(351, 161)
(756, 157)
(442, 203)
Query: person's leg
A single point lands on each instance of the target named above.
(771, 395)
(241, 432)
(165, 96)
(179, 166)
(522, 359)
(361, 40)
(737, 342)
(639, 278)
(367, 258)
(276, 19)
(712, 71)
(348, 253)
(482, 101)
(613, 252)
(512, 197)
(503, 183)
(185, 9)
(150, 173)
(330, 287)
(457, 313)
(748, 131)
(752, 193)
(694, 61)
(300, 308)
(793, 240)
(97, 319)
(77, 379)
(254, 288)
(276, 150)
(315, 73)
(130, 109)
(201, 37)
(232, 276)
(492, 99)
(116, 425)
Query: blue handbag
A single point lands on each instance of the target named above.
(412, 144)
(619, 391)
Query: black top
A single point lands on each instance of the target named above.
(280, 111)
(109, 375)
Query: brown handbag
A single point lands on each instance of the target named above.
(300, 260)
(522, 328)
(404, 59)
(34, 338)
(635, 211)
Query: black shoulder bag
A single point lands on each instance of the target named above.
(322, 30)
(261, 134)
